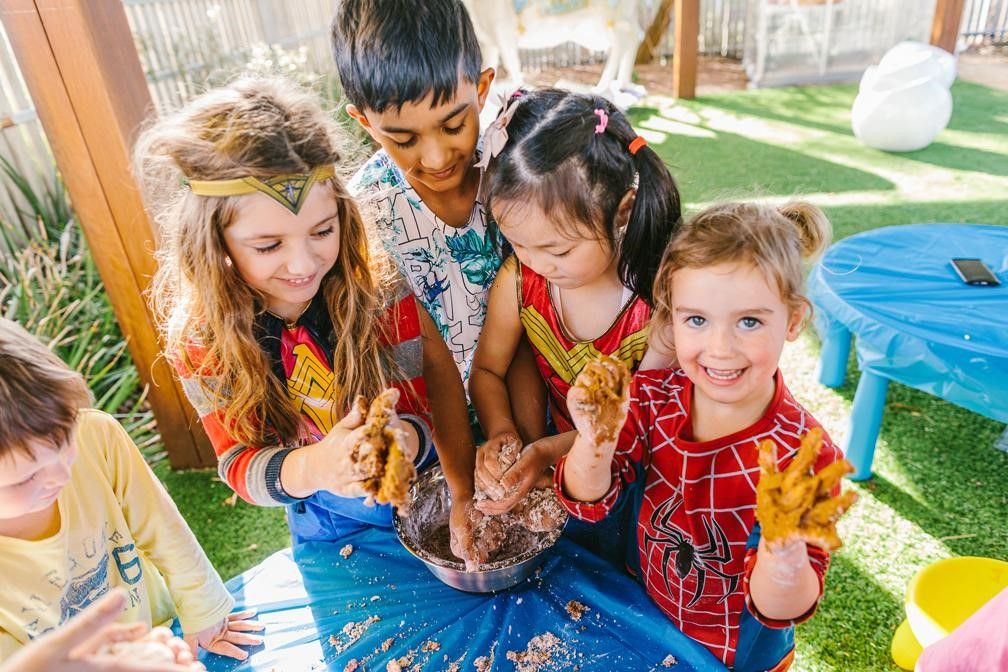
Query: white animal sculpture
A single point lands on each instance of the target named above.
(504, 26)
(904, 102)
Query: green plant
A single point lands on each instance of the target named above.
(49, 284)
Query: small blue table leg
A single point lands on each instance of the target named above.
(865, 420)
(833, 358)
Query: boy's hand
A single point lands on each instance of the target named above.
(225, 637)
(76, 646)
(797, 504)
(460, 524)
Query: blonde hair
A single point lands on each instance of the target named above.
(775, 240)
(260, 127)
(39, 394)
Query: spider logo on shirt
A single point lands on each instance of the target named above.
(688, 557)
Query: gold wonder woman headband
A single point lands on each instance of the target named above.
(289, 191)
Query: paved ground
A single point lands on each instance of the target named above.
(987, 66)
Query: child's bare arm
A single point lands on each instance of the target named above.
(502, 332)
(783, 585)
(452, 435)
(528, 394)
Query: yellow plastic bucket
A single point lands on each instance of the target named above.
(940, 597)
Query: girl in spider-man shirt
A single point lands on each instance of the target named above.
(729, 294)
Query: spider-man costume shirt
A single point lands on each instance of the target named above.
(696, 528)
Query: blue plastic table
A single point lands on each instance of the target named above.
(387, 593)
(916, 322)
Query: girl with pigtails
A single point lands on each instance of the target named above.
(588, 208)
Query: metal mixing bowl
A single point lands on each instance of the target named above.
(424, 534)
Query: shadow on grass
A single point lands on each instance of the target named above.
(945, 456)
(828, 637)
(732, 166)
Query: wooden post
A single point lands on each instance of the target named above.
(655, 32)
(684, 61)
(80, 64)
(945, 25)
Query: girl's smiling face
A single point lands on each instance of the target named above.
(282, 255)
(568, 256)
(730, 326)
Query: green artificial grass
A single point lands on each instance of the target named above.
(234, 534)
(940, 489)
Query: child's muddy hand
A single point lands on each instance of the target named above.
(492, 460)
(516, 481)
(460, 524)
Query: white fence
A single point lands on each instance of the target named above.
(183, 44)
(984, 22)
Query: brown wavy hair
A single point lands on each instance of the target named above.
(779, 241)
(39, 394)
(260, 127)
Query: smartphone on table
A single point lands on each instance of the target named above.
(974, 272)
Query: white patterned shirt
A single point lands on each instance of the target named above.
(449, 269)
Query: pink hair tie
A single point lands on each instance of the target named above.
(603, 120)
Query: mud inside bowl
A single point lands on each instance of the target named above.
(425, 534)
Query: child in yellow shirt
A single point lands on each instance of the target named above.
(82, 513)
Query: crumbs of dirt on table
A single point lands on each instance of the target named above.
(577, 609)
(669, 661)
(353, 630)
(544, 652)
(430, 645)
(484, 663)
(386, 644)
(351, 666)
(346, 551)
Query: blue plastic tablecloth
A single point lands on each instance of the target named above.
(915, 321)
(306, 605)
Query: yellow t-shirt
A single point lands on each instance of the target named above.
(118, 527)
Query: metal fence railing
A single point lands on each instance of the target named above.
(984, 22)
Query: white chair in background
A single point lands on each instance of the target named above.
(904, 102)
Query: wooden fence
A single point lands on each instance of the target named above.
(184, 44)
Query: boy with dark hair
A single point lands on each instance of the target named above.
(81, 513)
(411, 73)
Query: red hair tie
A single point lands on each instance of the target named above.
(636, 144)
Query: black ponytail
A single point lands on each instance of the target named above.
(655, 216)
